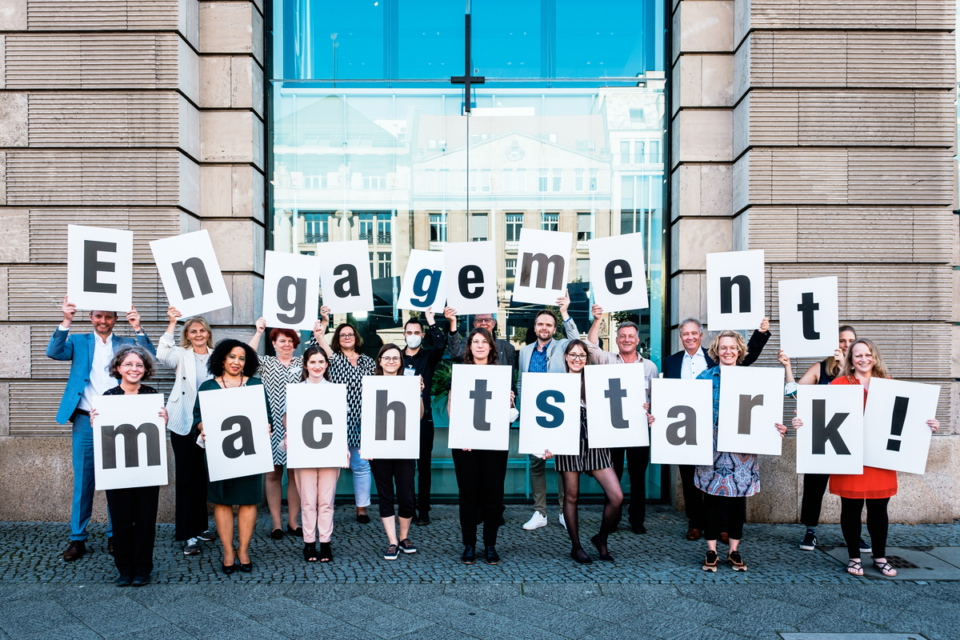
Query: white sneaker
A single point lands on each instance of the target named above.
(562, 522)
(535, 522)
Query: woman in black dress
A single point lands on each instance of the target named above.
(595, 462)
(233, 364)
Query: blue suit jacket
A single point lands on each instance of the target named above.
(79, 350)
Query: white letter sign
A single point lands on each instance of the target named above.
(831, 438)
(751, 403)
(471, 275)
(190, 273)
(735, 290)
(895, 431)
(345, 276)
(423, 283)
(617, 275)
(390, 421)
(291, 290)
(237, 432)
(129, 442)
(480, 407)
(550, 414)
(543, 260)
(809, 317)
(100, 268)
(615, 415)
(317, 426)
(683, 431)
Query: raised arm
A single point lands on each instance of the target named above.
(455, 344)
(320, 332)
(594, 352)
(254, 341)
(757, 341)
(569, 326)
(59, 348)
(438, 339)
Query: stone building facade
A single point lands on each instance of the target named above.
(821, 132)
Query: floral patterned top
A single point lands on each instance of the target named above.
(736, 475)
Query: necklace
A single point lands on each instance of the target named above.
(223, 383)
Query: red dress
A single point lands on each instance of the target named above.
(873, 483)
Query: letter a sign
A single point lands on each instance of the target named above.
(237, 432)
(683, 431)
(735, 298)
(129, 442)
(543, 262)
(480, 408)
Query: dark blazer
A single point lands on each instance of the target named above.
(78, 349)
(673, 364)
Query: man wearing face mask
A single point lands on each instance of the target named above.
(421, 360)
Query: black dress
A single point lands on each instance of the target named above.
(235, 491)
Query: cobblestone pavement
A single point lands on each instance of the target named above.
(655, 589)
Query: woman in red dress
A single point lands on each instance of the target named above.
(874, 486)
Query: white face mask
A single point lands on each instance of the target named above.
(413, 341)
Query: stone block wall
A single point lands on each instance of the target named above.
(145, 116)
(824, 134)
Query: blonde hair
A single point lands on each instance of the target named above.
(741, 345)
(185, 341)
(879, 368)
(834, 367)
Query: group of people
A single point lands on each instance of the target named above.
(714, 495)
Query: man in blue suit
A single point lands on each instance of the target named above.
(89, 355)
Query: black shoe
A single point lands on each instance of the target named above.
(295, 532)
(580, 556)
(423, 519)
(124, 581)
(407, 546)
(139, 581)
(710, 562)
(276, 534)
(492, 557)
(310, 551)
(809, 542)
(638, 528)
(110, 545)
(363, 518)
(207, 535)
(604, 555)
(469, 554)
(326, 552)
(232, 568)
(75, 550)
(246, 568)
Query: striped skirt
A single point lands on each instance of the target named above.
(589, 459)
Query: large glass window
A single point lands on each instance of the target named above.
(369, 141)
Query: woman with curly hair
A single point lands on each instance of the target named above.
(232, 365)
(133, 510)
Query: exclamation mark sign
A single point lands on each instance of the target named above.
(899, 417)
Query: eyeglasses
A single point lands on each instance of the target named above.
(577, 356)
(347, 335)
(127, 365)
(390, 359)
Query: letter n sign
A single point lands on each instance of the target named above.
(735, 290)
(129, 442)
(190, 273)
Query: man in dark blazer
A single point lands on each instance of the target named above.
(89, 355)
(687, 365)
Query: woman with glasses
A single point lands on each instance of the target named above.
(594, 462)
(388, 472)
(133, 510)
(348, 366)
(480, 474)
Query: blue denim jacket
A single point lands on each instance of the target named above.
(733, 474)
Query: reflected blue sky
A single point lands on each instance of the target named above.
(424, 39)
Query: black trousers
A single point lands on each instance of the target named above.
(724, 513)
(692, 497)
(480, 477)
(424, 479)
(191, 487)
(814, 486)
(134, 515)
(401, 472)
(850, 510)
(638, 458)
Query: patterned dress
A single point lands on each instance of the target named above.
(735, 475)
(276, 377)
(342, 372)
(589, 459)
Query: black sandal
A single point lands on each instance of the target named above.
(326, 552)
(580, 556)
(310, 551)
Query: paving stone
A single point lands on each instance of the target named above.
(394, 624)
(289, 617)
(164, 632)
(25, 617)
(116, 616)
(553, 618)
